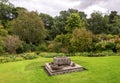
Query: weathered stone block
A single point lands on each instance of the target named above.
(62, 61)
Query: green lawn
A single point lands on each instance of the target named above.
(99, 70)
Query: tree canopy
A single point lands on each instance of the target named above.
(29, 29)
(70, 31)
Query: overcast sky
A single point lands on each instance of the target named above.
(53, 7)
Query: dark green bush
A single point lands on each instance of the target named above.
(24, 48)
(1, 59)
(4, 61)
(1, 50)
(110, 45)
(118, 47)
(41, 48)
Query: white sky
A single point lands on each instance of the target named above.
(53, 7)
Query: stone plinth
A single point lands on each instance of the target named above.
(61, 65)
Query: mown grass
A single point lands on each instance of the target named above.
(99, 70)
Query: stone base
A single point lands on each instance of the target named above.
(66, 69)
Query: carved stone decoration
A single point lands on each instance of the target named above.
(61, 65)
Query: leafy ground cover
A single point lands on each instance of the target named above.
(99, 70)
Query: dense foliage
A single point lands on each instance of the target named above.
(28, 29)
(69, 32)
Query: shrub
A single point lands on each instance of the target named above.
(29, 56)
(1, 45)
(19, 58)
(82, 54)
(24, 47)
(118, 47)
(1, 59)
(103, 53)
(110, 45)
(104, 45)
(6, 59)
(54, 47)
(9, 59)
(96, 54)
(41, 47)
(100, 46)
(12, 43)
(2, 50)
(64, 40)
(51, 55)
(81, 40)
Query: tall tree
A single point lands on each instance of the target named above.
(28, 29)
(112, 16)
(97, 23)
(6, 12)
(114, 23)
(61, 21)
(73, 21)
(48, 23)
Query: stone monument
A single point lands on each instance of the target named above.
(61, 65)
